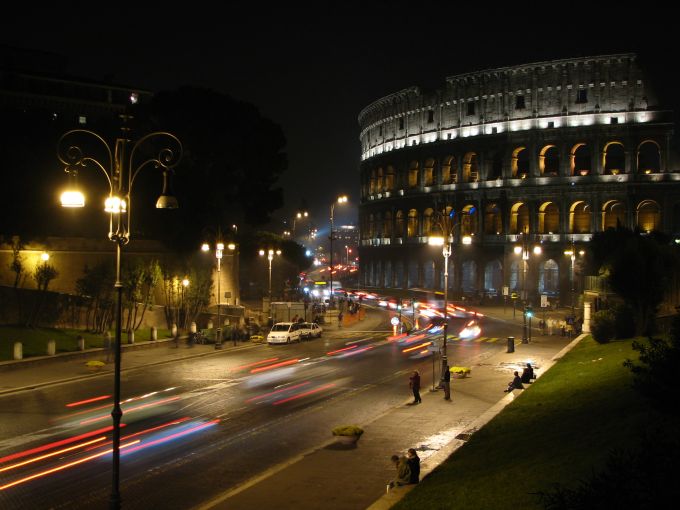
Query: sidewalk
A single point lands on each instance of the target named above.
(332, 477)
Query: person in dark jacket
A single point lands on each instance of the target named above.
(528, 374)
(516, 383)
(414, 464)
(414, 383)
(446, 381)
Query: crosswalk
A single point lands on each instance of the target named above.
(486, 339)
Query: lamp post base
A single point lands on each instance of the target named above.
(218, 338)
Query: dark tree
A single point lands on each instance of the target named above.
(232, 159)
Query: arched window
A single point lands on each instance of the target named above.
(371, 226)
(549, 278)
(648, 216)
(428, 172)
(468, 282)
(649, 157)
(413, 174)
(389, 178)
(514, 280)
(549, 161)
(427, 221)
(412, 223)
(428, 274)
(613, 215)
(449, 170)
(399, 224)
(380, 181)
(387, 224)
(519, 219)
(520, 163)
(493, 221)
(413, 274)
(579, 218)
(469, 221)
(548, 219)
(371, 184)
(580, 159)
(614, 159)
(470, 169)
(493, 278)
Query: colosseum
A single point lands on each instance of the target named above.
(519, 166)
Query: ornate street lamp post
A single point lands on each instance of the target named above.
(270, 256)
(341, 200)
(523, 249)
(120, 169)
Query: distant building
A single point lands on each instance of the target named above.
(542, 154)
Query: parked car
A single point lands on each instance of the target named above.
(285, 333)
(310, 330)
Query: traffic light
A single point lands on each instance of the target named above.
(529, 311)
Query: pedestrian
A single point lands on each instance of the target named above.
(528, 374)
(446, 381)
(516, 383)
(414, 383)
(414, 465)
(403, 471)
(551, 323)
(339, 319)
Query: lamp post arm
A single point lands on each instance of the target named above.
(71, 154)
(166, 158)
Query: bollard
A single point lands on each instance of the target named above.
(51, 347)
(193, 327)
(131, 336)
(81, 343)
(18, 350)
(511, 344)
(174, 330)
(154, 334)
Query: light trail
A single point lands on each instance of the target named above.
(52, 454)
(88, 401)
(275, 365)
(306, 393)
(277, 391)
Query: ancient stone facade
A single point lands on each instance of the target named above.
(537, 155)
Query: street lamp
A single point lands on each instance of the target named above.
(81, 148)
(443, 238)
(299, 215)
(341, 200)
(572, 255)
(219, 248)
(182, 307)
(523, 250)
(270, 256)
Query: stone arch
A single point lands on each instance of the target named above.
(387, 224)
(519, 218)
(648, 216)
(413, 174)
(580, 218)
(371, 182)
(519, 163)
(427, 221)
(648, 157)
(470, 168)
(449, 170)
(380, 180)
(468, 280)
(399, 224)
(413, 274)
(428, 172)
(613, 214)
(469, 220)
(548, 218)
(613, 158)
(389, 178)
(549, 278)
(412, 226)
(371, 226)
(579, 159)
(493, 219)
(514, 276)
(549, 161)
(493, 277)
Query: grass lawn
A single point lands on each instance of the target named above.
(558, 431)
(35, 339)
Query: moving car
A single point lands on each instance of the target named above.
(471, 330)
(284, 333)
(310, 330)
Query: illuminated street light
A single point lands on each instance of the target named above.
(120, 169)
(270, 256)
(342, 199)
(524, 251)
(219, 248)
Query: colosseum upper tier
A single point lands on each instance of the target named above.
(524, 163)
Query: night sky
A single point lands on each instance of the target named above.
(312, 68)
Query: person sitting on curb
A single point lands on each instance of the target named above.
(414, 465)
(403, 471)
(528, 374)
(516, 383)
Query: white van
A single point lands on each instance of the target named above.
(284, 333)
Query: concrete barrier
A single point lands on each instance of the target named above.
(18, 350)
(51, 347)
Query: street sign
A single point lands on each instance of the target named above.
(544, 301)
(394, 321)
(506, 290)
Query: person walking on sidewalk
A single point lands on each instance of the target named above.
(403, 471)
(414, 465)
(414, 383)
(446, 381)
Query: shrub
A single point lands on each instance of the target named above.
(348, 430)
(603, 327)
